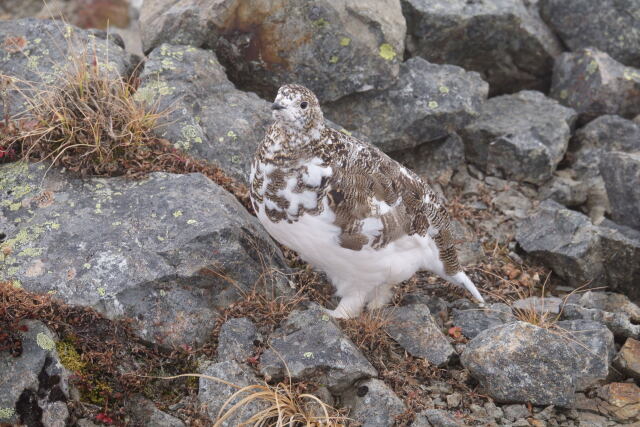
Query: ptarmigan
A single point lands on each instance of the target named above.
(347, 208)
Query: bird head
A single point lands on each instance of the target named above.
(297, 109)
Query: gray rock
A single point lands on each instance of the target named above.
(608, 25)
(564, 189)
(593, 84)
(613, 310)
(435, 418)
(540, 305)
(435, 160)
(593, 339)
(605, 134)
(512, 203)
(213, 394)
(209, 118)
(516, 411)
(34, 384)
(519, 137)
(151, 256)
(520, 362)
(579, 251)
(621, 174)
(627, 360)
(37, 51)
(373, 403)
(415, 330)
(426, 103)
(310, 346)
(144, 413)
(236, 340)
(475, 320)
(502, 39)
(334, 48)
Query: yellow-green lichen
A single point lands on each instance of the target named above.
(6, 413)
(308, 355)
(69, 356)
(320, 23)
(45, 342)
(433, 104)
(630, 74)
(346, 132)
(160, 238)
(86, 265)
(31, 252)
(345, 41)
(231, 134)
(163, 293)
(192, 221)
(564, 94)
(190, 135)
(592, 67)
(15, 206)
(102, 291)
(443, 90)
(387, 52)
(177, 214)
(16, 284)
(334, 60)
(167, 64)
(152, 90)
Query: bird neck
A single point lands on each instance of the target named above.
(300, 137)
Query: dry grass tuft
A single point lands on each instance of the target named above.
(284, 405)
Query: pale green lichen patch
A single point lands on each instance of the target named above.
(443, 90)
(102, 291)
(163, 293)
(592, 67)
(86, 265)
(387, 52)
(6, 413)
(152, 90)
(190, 134)
(433, 105)
(27, 235)
(167, 64)
(346, 132)
(564, 94)
(31, 252)
(630, 74)
(308, 355)
(345, 41)
(192, 221)
(45, 342)
(334, 60)
(177, 214)
(320, 23)
(231, 134)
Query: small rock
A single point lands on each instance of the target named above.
(621, 401)
(621, 173)
(519, 137)
(310, 346)
(539, 305)
(608, 25)
(454, 400)
(373, 403)
(520, 362)
(435, 418)
(512, 203)
(514, 412)
(593, 84)
(213, 394)
(564, 189)
(236, 340)
(493, 411)
(333, 48)
(143, 412)
(475, 320)
(613, 310)
(414, 329)
(505, 41)
(427, 103)
(438, 307)
(628, 359)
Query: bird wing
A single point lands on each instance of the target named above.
(377, 201)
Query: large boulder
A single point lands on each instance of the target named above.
(593, 84)
(523, 363)
(310, 346)
(503, 40)
(427, 103)
(208, 117)
(35, 52)
(333, 47)
(168, 250)
(520, 137)
(580, 252)
(608, 25)
(621, 174)
(34, 384)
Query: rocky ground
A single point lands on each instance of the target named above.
(524, 114)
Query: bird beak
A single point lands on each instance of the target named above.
(276, 106)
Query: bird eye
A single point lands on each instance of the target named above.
(304, 105)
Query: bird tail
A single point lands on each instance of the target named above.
(461, 279)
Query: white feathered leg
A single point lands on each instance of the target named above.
(350, 306)
(380, 296)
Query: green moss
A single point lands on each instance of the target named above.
(69, 356)
(387, 52)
